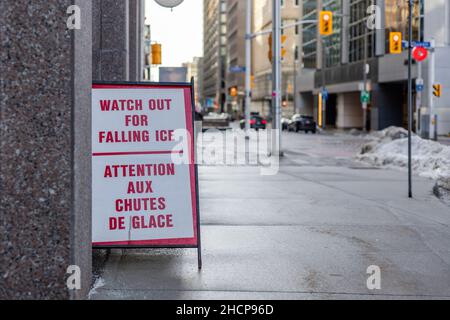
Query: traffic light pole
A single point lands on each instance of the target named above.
(431, 81)
(364, 103)
(248, 66)
(410, 109)
(276, 78)
(324, 101)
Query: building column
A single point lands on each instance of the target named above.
(45, 173)
(111, 54)
(136, 38)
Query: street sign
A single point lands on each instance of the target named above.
(365, 97)
(422, 44)
(144, 179)
(419, 84)
(324, 94)
(414, 44)
(419, 54)
(237, 69)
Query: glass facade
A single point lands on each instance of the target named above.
(397, 19)
(332, 43)
(309, 34)
(358, 30)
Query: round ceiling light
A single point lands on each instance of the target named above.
(169, 3)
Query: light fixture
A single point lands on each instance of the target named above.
(169, 3)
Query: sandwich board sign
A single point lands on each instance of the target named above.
(144, 177)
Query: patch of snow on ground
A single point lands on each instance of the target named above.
(98, 284)
(389, 148)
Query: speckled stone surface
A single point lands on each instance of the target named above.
(36, 149)
(111, 40)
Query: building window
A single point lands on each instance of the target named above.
(309, 32)
(332, 43)
(397, 19)
(358, 31)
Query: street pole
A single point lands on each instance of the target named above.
(419, 74)
(294, 97)
(431, 81)
(324, 100)
(410, 115)
(248, 66)
(364, 103)
(276, 78)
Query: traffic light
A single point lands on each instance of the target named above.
(269, 54)
(437, 90)
(395, 42)
(252, 81)
(326, 23)
(234, 91)
(156, 54)
(283, 50)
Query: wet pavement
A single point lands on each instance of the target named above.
(308, 232)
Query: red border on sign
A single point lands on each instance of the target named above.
(189, 127)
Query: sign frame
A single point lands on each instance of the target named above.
(193, 166)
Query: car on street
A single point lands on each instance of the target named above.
(302, 123)
(285, 123)
(256, 122)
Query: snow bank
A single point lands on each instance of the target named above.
(389, 148)
(99, 282)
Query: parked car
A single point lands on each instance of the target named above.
(256, 122)
(216, 121)
(285, 123)
(302, 123)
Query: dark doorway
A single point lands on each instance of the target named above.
(331, 112)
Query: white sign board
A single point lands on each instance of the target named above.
(144, 190)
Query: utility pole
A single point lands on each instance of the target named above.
(431, 81)
(410, 109)
(419, 74)
(324, 100)
(248, 66)
(364, 102)
(276, 78)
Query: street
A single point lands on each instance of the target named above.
(309, 232)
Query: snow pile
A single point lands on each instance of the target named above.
(389, 148)
(382, 137)
(99, 282)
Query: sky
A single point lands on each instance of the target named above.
(180, 31)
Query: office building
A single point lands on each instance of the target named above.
(262, 66)
(215, 52)
(338, 65)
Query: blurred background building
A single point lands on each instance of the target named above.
(235, 80)
(262, 67)
(341, 70)
(215, 54)
(194, 70)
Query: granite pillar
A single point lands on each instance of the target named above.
(133, 19)
(45, 189)
(111, 40)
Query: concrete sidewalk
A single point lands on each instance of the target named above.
(309, 232)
